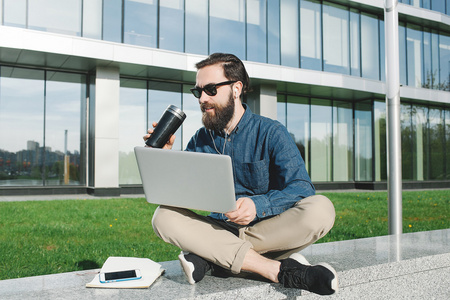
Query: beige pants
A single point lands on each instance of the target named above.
(276, 237)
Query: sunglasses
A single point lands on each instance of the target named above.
(209, 89)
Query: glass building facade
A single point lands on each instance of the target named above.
(49, 113)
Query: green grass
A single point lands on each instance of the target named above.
(46, 237)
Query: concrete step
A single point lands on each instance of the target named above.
(409, 266)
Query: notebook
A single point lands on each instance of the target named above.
(193, 180)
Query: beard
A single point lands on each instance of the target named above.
(222, 115)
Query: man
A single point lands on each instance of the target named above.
(277, 214)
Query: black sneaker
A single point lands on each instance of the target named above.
(296, 272)
(194, 266)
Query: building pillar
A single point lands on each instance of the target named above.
(263, 100)
(105, 133)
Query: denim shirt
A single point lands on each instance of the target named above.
(267, 165)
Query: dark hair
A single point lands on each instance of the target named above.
(233, 68)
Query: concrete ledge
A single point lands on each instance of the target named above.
(414, 265)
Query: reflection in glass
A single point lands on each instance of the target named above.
(132, 126)
(45, 146)
(382, 52)
(281, 109)
(355, 41)
(342, 141)
(171, 25)
(420, 149)
(15, 13)
(363, 141)
(438, 5)
(227, 27)
(160, 96)
(140, 22)
(63, 135)
(335, 39)
(289, 16)
(414, 55)
(369, 47)
(112, 21)
(321, 140)
(444, 51)
(407, 141)
(196, 33)
(447, 142)
(22, 111)
(380, 155)
(55, 16)
(436, 145)
(402, 50)
(311, 35)
(92, 19)
(256, 31)
(297, 120)
(273, 32)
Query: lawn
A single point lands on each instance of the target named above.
(46, 237)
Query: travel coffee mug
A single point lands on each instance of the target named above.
(170, 121)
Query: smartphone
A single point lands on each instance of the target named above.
(107, 277)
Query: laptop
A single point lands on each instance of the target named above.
(185, 179)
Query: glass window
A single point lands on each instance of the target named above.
(444, 53)
(414, 55)
(320, 140)
(15, 13)
(436, 145)
(297, 120)
(447, 142)
(196, 27)
(55, 16)
(22, 109)
(406, 141)
(402, 53)
(438, 5)
(419, 142)
(112, 21)
(425, 3)
(380, 155)
(369, 47)
(92, 19)
(132, 126)
(311, 35)
(355, 42)
(64, 158)
(171, 25)
(363, 141)
(289, 15)
(160, 96)
(434, 60)
(335, 39)
(140, 22)
(342, 141)
(281, 109)
(193, 120)
(256, 31)
(227, 27)
(427, 66)
(382, 52)
(273, 32)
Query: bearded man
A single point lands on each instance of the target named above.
(277, 214)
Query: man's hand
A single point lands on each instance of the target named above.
(169, 143)
(245, 212)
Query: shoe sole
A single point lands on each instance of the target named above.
(301, 259)
(187, 267)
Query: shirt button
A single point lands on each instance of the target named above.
(229, 139)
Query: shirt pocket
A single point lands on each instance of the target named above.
(256, 176)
